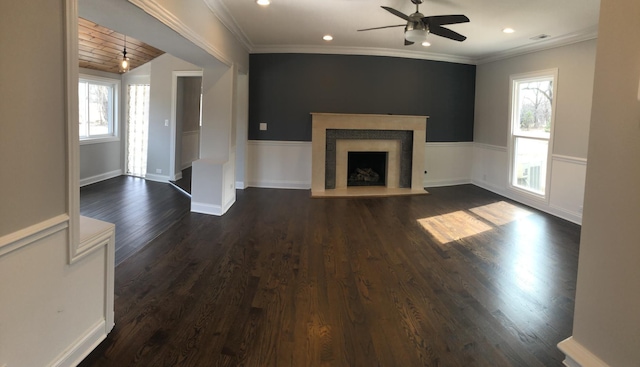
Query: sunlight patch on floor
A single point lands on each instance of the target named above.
(464, 223)
(500, 213)
(453, 226)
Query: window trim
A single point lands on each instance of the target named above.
(514, 79)
(115, 135)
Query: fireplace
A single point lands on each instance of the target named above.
(399, 138)
(366, 168)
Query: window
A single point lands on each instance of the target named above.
(532, 114)
(98, 103)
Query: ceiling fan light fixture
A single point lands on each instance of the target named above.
(416, 35)
(263, 2)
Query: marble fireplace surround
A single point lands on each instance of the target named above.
(321, 122)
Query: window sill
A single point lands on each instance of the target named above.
(99, 140)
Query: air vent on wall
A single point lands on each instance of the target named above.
(540, 37)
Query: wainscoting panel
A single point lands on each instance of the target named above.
(490, 167)
(279, 164)
(447, 163)
(52, 313)
(568, 177)
(190, 148)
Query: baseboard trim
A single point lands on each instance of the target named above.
(440, 183)
(240, 185)
(297, 185)
(101, 177)
(577, 355)
(156, 178)
(81, 348)
(203, 208)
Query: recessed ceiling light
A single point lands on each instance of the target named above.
(508, 30)
(426, 44)
(263, 2)
(327, 37)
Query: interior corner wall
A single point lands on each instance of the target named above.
(490, 168)
(606, 317)
(160, 101)
(285, 88)
(575, 64)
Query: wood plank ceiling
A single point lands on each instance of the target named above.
(101, 48)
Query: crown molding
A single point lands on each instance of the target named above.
(367, 51)
(221, 12)
(153, 8)
(547, 44)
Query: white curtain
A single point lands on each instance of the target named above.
(137, 129)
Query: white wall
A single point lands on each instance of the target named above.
(606, 327)
(575, 64)
(52, 311)
(242, 129)
(161, 79)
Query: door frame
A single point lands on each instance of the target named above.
(173, 175)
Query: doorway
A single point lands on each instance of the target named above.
(187, 120)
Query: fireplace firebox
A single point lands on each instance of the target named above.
(367, 168)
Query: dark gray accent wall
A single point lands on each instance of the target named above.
(285, 88)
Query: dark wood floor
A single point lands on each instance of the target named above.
(461, 277)
(184, 183)
(140, 209)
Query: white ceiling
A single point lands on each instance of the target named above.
(298, 26)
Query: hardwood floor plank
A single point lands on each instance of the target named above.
(460, 277)
(140, 209)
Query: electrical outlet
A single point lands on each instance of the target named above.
(263, 126)
(166, 122)
(158, 170)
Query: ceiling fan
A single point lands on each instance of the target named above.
(418, 26)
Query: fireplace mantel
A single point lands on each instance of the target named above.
(321, 122)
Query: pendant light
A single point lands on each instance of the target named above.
(124, 63)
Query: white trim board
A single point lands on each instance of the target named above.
(82, 347)
(32, 234)
(157, 11)
(101, 177)
(210, 209)
(156, 178)
(578, 356)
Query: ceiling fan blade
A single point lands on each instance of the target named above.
(445, 19)
(407, 43)
(388, 26)
(445, 32)
(396, 13)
